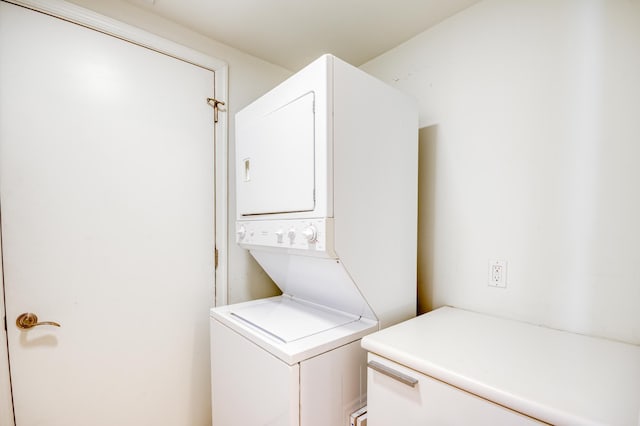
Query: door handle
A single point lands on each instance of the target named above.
(28, 320)
(390, 372)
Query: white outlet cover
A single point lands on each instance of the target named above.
(497, 273)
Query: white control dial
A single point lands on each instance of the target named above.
(242, 231)
(291, 234)
(279, 234)
(310, 233)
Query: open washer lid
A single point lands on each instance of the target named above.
(288, 319)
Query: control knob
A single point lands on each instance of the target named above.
(291, 234)
(241, 232)
(310, 233)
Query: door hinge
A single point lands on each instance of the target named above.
(216, 107)
(215, 258)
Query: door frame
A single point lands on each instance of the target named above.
(93, 20)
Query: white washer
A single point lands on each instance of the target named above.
(280, 354)
(326, 190)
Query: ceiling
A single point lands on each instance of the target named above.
(292, 33)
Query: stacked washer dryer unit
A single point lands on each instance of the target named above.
(326, 203)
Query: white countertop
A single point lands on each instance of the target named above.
(554, 376)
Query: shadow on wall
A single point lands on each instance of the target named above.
(427, 150)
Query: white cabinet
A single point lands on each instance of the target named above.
(472, 368)
(401, 396)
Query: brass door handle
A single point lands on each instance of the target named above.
(28, 320)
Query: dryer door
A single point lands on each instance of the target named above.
(275, 154)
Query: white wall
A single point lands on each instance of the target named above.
(530, 153)
(249, 77)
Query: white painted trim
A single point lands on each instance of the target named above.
(93, 20)
(6, 404)
(90, 19)
(222, 188)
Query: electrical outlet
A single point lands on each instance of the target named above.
(498, 273)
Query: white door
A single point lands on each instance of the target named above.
(106, 192)
(275, 158)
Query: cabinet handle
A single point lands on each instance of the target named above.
(390, 372)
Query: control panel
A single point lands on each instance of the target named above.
(313, 236)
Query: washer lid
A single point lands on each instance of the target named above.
(322, 281)
(288, 319)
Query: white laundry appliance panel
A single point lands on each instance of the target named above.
(326, 190)
(250, 386)
(281, 139)
(292, 329)
(318, 280)
(288, 236)
(281, 361)
(364, 216)
(276, 146)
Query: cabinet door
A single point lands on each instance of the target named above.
(275, 159)
(429, 401)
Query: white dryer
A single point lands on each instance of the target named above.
(326, 190)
